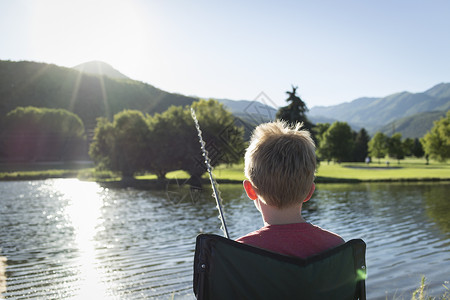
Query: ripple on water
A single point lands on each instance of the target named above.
(69, 239)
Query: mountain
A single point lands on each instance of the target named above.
(441, 90)
(96, 89)
(320, 119)
(415, 126)
(100, 68)
(410, 114)
(254, 112)
(373, 113)
(249, 114)
(341, 111)
(88, 95)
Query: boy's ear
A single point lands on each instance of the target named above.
(311, 192)
(250, 190)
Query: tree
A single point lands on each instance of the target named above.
(361, 148)
(436, 143)
(170, 132)
(378, 146)
(396, 147)
(131, 137)
(337, 142)
(123, 145)
(295, 111)
(408, 145)
(417, 149)
(101, 149)
(322, 150)
(168, 141)
(31, 133)
(178, 146)
(223, 138)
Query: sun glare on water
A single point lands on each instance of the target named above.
(84, 213)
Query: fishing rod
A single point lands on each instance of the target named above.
(208, 168)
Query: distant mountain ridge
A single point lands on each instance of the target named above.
(413, 126)
(410, 114)
(253, 111)
(95, 89)
(373, 113)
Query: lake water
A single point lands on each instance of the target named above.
(65, 238)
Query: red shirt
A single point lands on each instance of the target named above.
(298, 239)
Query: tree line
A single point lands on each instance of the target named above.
(338, 142)
(168, 141)
(41, 134)
(134, 142)
(131, 143)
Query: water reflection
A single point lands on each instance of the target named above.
(437, 207)
(403, 242)
(83, 212)
(69, 239)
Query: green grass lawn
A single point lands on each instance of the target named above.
(408, 169)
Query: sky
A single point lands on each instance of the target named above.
(333, 51)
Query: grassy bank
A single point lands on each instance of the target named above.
(407, 170)
(421, 293)
(43, 170)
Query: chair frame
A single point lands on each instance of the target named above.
(206, 249)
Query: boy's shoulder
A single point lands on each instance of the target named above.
(283, 229)
(298, 239)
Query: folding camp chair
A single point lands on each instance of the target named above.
(225, 269)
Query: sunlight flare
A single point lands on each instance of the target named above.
(84, 213)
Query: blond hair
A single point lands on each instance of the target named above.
(280, 163)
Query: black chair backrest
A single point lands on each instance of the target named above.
(225, 269)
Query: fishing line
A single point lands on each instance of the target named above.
(211, 178)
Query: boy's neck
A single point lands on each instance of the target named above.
(275, 216)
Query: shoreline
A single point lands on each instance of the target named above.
(411, 170)
(156, 184)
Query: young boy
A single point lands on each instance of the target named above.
(280, 164)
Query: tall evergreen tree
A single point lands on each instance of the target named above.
(417, 149)
(295, 111)
(361, 148)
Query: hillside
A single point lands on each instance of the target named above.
(415, 126)
(100, 90)
(87, 95)
(373, 113)
(254, 112)
(100, 68)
